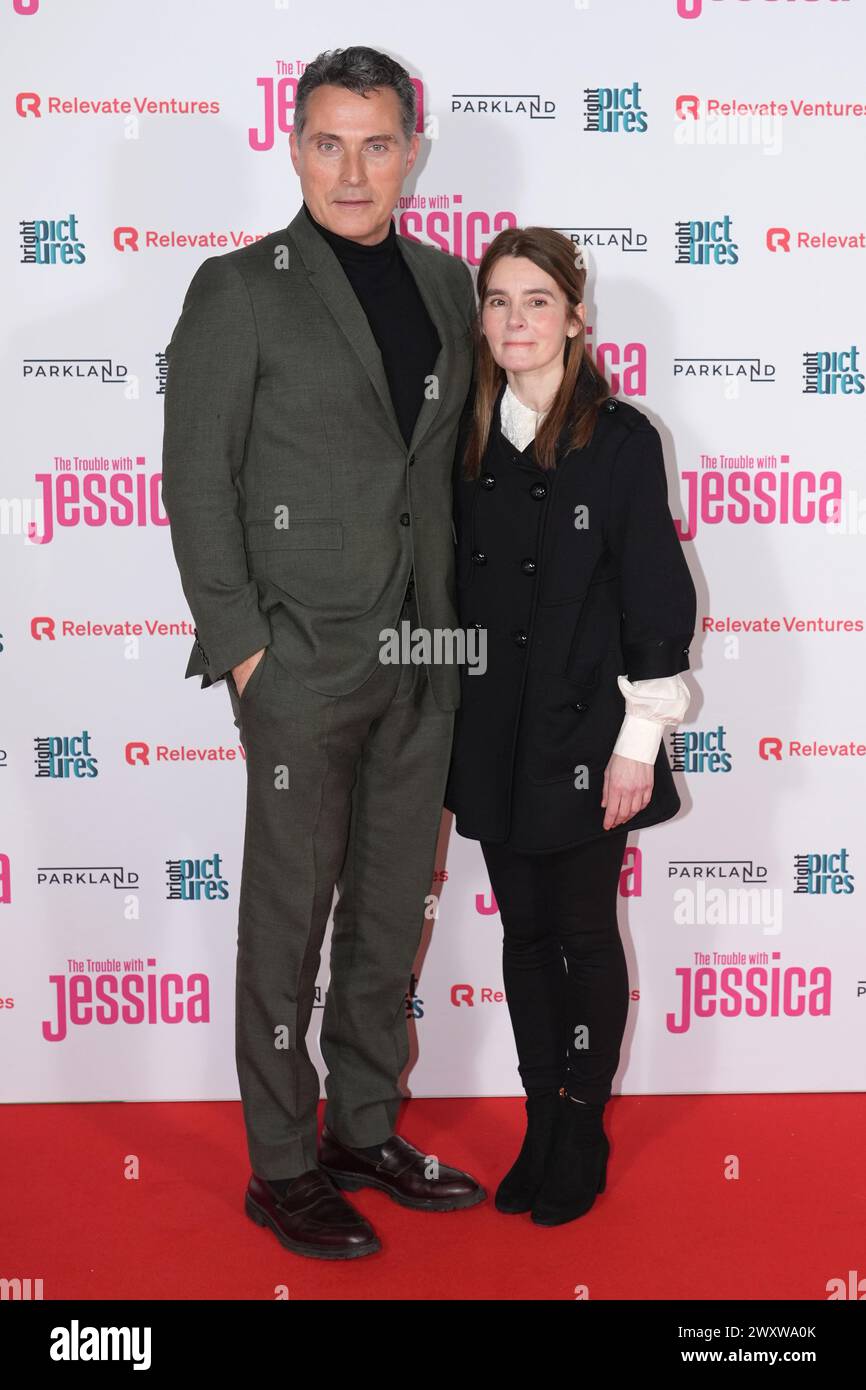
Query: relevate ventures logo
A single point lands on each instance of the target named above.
(77, 1343)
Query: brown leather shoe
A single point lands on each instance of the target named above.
(312, 1218)
(399, 1171)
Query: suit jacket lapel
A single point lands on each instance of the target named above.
(332, 285)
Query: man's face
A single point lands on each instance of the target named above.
(352, 159)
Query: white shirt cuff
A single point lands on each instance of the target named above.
(651, 705)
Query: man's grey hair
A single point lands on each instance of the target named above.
(359, 70)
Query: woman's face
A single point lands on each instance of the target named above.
(524, 316)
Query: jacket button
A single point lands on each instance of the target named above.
(538, 491)
(404, 518)
(528, 566)
(478, 557)
(519, 637)
(488, 481)
(579, 705)
(611, 405)
(411, 459)
(685, 651)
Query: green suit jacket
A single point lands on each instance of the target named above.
(296, 509)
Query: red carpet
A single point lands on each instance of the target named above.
(669, 1226)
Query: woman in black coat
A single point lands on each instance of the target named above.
(572, 579)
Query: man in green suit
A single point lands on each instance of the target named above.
(315, 384)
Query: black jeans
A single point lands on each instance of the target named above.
(563, 964)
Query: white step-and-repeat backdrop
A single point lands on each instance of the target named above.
(707, 155)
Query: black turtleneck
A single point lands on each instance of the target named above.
(398, 319)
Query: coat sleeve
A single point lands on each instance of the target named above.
(657, 596)
(212, 366)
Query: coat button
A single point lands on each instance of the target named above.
(538, 491)
(611, 405)
(579, 705)
(519, 637)
(411, 460)
(488, 481)
(479, 557)
(528, 566)
(685, 651)
(404, 518)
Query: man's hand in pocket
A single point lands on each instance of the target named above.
(244, 669)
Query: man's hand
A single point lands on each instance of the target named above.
(244, 670)
(628, 786)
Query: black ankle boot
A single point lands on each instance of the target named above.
(576, 1169)
(518, 1188)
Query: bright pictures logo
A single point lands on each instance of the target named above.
(51, 241)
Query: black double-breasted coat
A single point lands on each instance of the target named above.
(575, 575)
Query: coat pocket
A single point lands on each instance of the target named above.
(570, 726)
(254, 679)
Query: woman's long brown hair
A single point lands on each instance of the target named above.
(583, 387)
